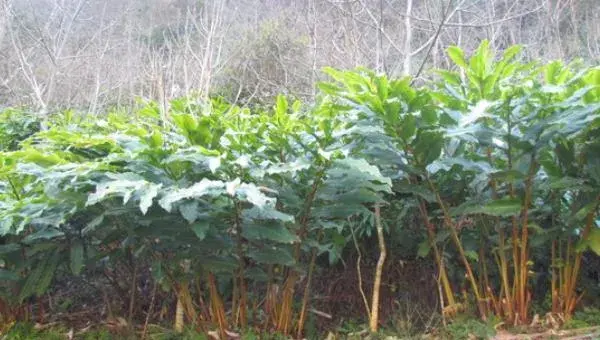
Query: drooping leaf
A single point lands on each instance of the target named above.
(584, 211)
(253, 194)
(44, 234)
(48, 271)
(428, 147)
(200, 228)
(203, 188)
(221, 264)
(472, 255)
(419, 190)
(501, 207)
(76, 257)
(593, 240)
(256, 274)
(272, 255)
(507, 175)
(149, 193)
(9, 248)
(189, 211)
(157, 271)
(32, 280)
(271, 232)
(424, 249)
(120, 185)
(7, 275)
(93, 224)
(6, 225)
(266, 213)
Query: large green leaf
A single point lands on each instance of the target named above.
(266, 213)
(501, 207)
(457, 55)
(221, 264)
(44, 234)
(190, 211)
(48, 273)
(428, 147)
(593, 240)
(424, 249)
(272, 255)
(7, 275)
(126, 186)
(200, 229)
(33, 277)
(203, 188)
(9, 248)
(251, 193)
(272, 232)
(420, 190)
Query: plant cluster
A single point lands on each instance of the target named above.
(497, 159)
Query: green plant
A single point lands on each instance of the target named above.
(100, 334)
(233, 208)
(587, 317)
(17, 125)
(27, 331)
(474, 156)
(470, 329)
(217, 192)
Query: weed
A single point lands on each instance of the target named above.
(470, 329)
(27, 331)
(586, 317)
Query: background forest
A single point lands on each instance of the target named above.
(91, 54)
(299, 169)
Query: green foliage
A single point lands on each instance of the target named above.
(215, 188)
(16, 126)
(470, 329)
(26, 331)
(587, 317)
(497, 141)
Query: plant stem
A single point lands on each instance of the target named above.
(437, 255)
(13, 188)
(554, 291)
(132, 293)
(217, 307)
(179, 314)
(503, 262)
(360, 281)
(374, 322)
(524, 256)
(454, 235)
(571, 277)
(285, 312)
(241, 286)
(306, 296)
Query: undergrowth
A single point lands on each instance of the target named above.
(469, 328)
(587, 317)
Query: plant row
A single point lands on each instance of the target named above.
(498, 160)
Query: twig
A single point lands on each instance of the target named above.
(132, 294)
(107, 301)
(360, 283)
(435, 38)
(319, 313)
(150, 308)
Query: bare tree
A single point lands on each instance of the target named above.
(93, 54)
